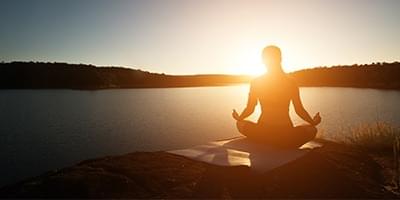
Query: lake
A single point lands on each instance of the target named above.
(48, 129)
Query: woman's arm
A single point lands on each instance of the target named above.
(251, 105)
(301, 111)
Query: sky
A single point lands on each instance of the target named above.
(200, 36)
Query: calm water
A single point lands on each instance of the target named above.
(47, 129)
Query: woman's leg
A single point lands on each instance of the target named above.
(303, 134)
(247, 128)
(282, 137)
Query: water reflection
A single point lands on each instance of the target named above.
(46, 129)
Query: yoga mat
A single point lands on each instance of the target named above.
(241, 151)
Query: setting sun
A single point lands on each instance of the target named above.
(249, 61)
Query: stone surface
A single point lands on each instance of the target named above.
(333, 171)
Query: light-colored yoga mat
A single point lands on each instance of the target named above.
(241, 151)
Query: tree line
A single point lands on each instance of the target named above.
(376, 75)
(40, 75)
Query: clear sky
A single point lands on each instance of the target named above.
(192, 37)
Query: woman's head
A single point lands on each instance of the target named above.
(272, 58)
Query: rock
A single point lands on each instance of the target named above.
(333, 171)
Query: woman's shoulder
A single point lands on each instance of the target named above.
(291, 80)
(258, 79)
(282, 80)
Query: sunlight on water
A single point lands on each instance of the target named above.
(46, 129)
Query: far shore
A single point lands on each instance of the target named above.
(39, 75)
(190, 86)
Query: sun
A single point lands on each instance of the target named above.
(249, 70)
(247, 59)
(248, 63)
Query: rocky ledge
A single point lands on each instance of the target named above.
(333, 171)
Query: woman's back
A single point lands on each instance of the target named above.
(274, 92)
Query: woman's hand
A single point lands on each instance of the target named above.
(316, 119)
(235, 115)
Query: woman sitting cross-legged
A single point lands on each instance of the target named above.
(274, 91)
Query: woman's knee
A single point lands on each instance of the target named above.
(240, 125)
(312, 131)
(245, 126)
(308, 131)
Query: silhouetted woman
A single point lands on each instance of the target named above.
(274, 90)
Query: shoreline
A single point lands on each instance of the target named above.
(196, 86)
(41, 75)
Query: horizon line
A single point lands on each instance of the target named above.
(200, 74)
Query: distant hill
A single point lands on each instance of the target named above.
(39, 75)
(375, 75)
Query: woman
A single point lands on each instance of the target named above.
(275, 90)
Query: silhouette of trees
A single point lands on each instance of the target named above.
(376, 75)
(31, 75)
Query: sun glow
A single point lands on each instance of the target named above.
(249, 70)
(250, 62)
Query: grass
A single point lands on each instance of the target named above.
(378, 139)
